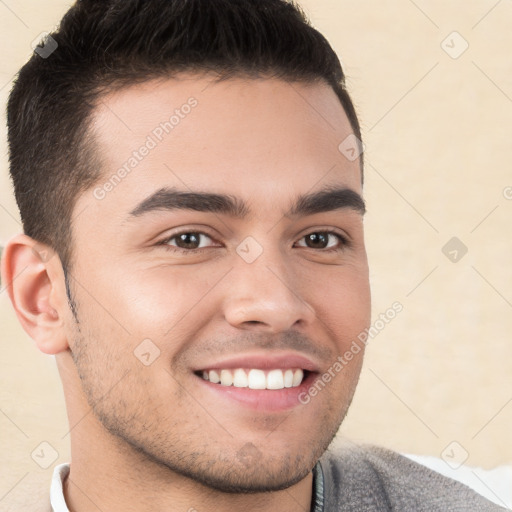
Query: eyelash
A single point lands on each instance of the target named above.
(165, 242)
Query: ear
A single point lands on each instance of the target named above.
(33, 276)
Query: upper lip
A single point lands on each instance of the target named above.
(263, 361)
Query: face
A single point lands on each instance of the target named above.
(246, 284)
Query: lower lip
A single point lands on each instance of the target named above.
(264, 399)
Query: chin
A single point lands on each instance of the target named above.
(257, 476)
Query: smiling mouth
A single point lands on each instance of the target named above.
(255, 378)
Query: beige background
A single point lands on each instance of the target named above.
(437, 131)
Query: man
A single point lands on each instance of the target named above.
(194, 257)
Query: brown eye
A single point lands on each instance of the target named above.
(324, 240)
(317, 240)
(187, 240)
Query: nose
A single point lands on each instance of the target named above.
(266, 295)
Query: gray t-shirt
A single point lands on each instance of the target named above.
(373, 479)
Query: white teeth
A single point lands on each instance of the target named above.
(275, 379)
(226, 378)
(214, 376)
(240, 379)
(298, 375)
(288, 378)
(255, 378)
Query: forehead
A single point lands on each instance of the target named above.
(249, 137)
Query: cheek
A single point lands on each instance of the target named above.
(343, 304)
(155, 297)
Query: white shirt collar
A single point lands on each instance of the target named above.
(56, 491)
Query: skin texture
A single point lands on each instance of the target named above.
(155, 437)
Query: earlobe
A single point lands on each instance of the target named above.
(33, 278)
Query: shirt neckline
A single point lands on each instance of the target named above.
(317, 503)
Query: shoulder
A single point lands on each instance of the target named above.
(379, 479)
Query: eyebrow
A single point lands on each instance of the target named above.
(325, 200)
